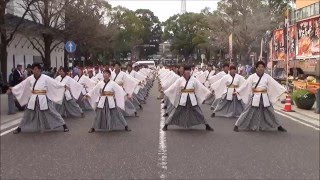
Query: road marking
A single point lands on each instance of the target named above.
(296, 120)
(162, 148)
(9, 124)
(6, 132)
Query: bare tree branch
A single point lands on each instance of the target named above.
(21, 20)
(36, 48)
(55, 45)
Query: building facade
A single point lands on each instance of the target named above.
(302, 39)
(20, 49)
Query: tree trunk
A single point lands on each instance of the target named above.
(3, 42)
(3, 58)
(66, 60)
(47, 39)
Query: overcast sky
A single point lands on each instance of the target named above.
(165, 8)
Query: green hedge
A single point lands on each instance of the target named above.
(304, 99)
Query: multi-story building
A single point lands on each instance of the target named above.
(20, 49)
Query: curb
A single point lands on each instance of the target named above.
(316, 126)
(280, 110)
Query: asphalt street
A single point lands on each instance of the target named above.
(149, 153)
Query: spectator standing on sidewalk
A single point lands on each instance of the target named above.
(12, 109)
(27, 72)
(14, 78)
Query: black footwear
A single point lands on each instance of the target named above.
(65, 128)
(165, 128)
(165, 115)
(140, 107)
(164, 107)
(236, 129)
(91, 130)
(213, 115)
(209, 128)
(127, 128)
(17, 131)
(280, 128)
(82, 115)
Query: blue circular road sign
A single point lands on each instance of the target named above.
(70, 47)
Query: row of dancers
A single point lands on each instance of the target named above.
(113, 94)
(250, 100)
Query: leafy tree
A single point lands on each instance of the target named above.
(185, 32)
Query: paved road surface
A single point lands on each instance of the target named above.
(148, 153)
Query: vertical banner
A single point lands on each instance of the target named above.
(261, 49)
(230, 48)
(279, 45)
(292, 42)
(270, 63)
(271, 57)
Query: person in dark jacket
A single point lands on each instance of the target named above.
(17, 75)
(12, 109)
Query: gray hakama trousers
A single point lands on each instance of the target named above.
(41, 120)
(11, 104)
(257, 118)
(141, 97)
(130, 110)
(170, 108)
(227, 108)
(69, 108)
(215, 103)
(84, 103)
(210, 100)
(186, 116)
(135, 101)
(109, 119)
(166, 102)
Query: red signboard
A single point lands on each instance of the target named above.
(309, 38)
(279, 45)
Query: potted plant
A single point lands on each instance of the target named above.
(304, 99)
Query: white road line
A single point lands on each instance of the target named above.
(162, 148)
(296, 120)
(9, 124)
(8, 131)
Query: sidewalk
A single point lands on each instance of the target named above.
(306, 116)
(4, 117)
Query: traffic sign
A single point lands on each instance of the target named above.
(70, 47)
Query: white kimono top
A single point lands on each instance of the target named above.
(273, 88)
(209, 75)
(87, 83)
(97, 77)
(98, 101)
(75, 87)
(216, 77)
(169, 80)
(24, 95)
(132, 73)
(227, 85)
(176, 97)
(124, 80)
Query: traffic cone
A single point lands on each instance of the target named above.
(288, 103)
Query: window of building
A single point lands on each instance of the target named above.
(312, 9)
(317, 8)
